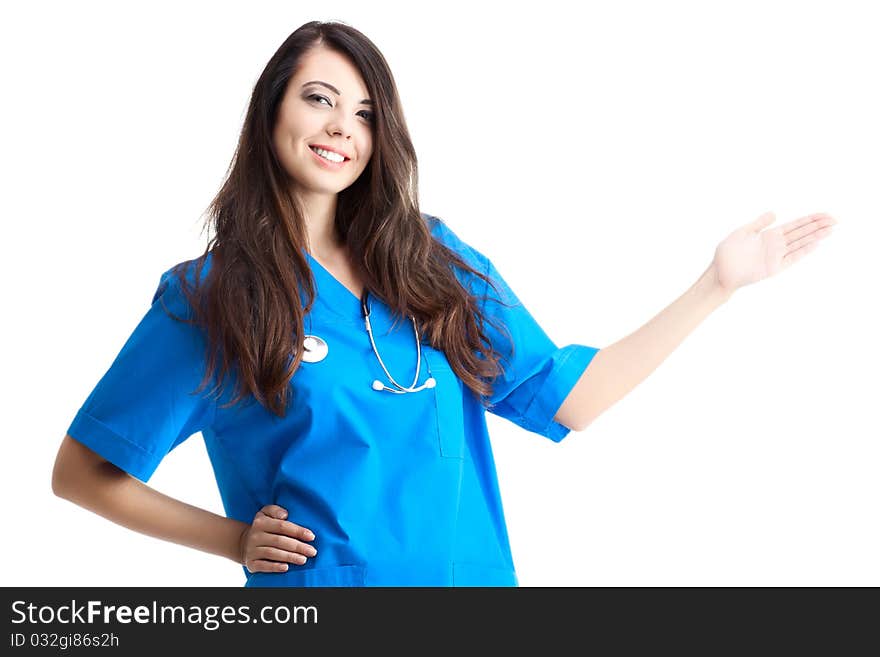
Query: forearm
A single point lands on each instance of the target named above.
(129, 502)
(617, 369)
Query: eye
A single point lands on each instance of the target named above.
(317, 97)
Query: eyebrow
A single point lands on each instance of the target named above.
(365, 101)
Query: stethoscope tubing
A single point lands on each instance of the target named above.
(378, 385)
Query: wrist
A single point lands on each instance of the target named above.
(710, 281)
(240, 538)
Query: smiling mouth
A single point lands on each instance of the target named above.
(315, 151)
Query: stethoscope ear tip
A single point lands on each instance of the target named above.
(430, 383)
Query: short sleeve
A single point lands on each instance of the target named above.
(145, 405)
(538, 375)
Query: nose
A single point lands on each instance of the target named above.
(339, 125)
(337, 128)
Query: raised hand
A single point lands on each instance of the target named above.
(750, 253)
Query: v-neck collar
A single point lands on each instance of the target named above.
(344, 303)
(335, 280)
(335, 296)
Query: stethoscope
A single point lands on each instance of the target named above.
(377, 384)
(316, 350)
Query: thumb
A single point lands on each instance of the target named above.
(761, 222)
(275, 511)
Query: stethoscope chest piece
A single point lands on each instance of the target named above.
(315, 349)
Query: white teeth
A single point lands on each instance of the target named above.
(327, 155)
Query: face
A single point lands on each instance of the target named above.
(313, 114)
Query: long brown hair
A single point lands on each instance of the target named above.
(250, 305)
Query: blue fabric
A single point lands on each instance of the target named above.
(400, 490)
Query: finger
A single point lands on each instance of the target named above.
(761, 222)
(790, 227)
(287, 528)
(806, 238)
(289, 544)
(263, 566)
(278, 555)
(274, 511)
(812, 227)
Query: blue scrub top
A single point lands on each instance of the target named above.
(399, 489)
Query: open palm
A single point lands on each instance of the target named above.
(750, 254)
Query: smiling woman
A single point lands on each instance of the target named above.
(328, 474)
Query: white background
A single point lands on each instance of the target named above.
(597, 157)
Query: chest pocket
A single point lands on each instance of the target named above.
(449, 398)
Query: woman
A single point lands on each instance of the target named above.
(334, 469)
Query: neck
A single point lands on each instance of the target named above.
(319, 212)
